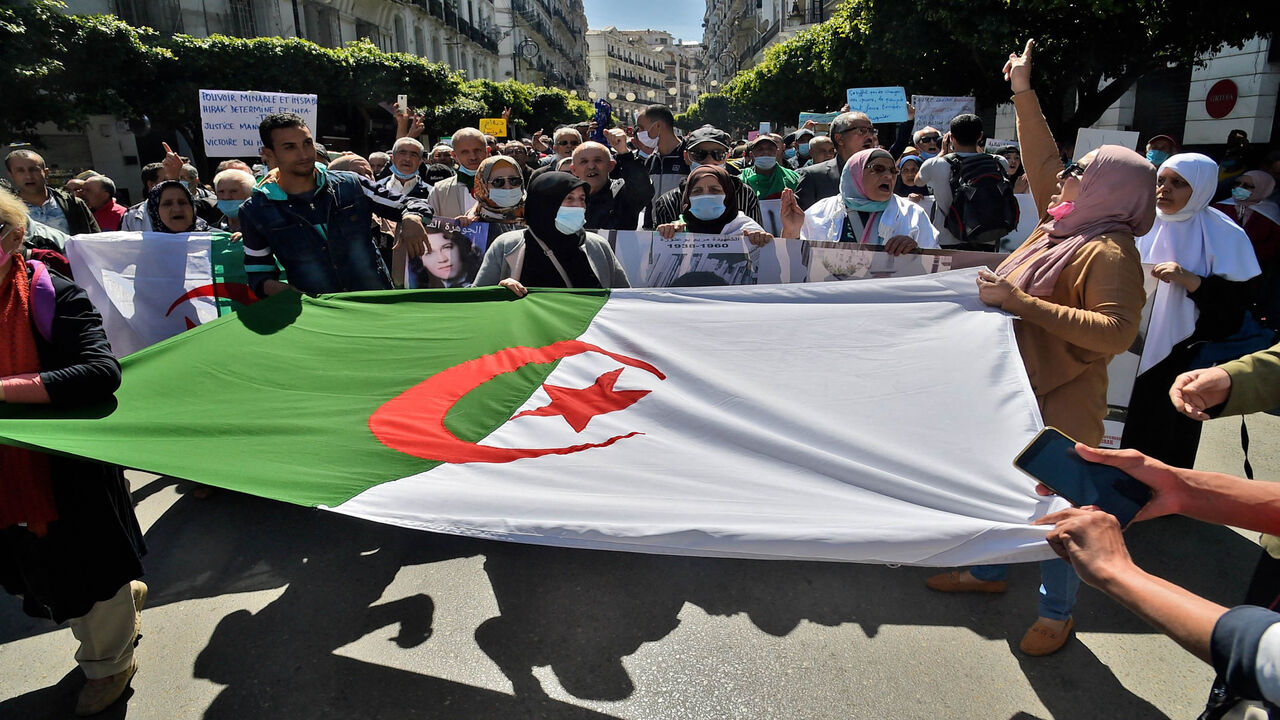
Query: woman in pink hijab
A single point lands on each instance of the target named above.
(1076, 287)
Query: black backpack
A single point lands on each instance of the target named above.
(983, 207)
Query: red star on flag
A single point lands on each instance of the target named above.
(579, 405)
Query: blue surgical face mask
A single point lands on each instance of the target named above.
(403, 175)
(1241, 193)
(466, 171)
(694, 166)
(790, 153)
(706, 207)
(927, 155)
(766, 162)
(231, 208)
(804, 149)
(643, 155)
(570, 220)
(506, 197)
(1157, 157)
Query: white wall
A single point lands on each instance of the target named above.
(1258, 83)
(102, 147)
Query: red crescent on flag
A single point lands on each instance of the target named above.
(238, 292)
(413, 421)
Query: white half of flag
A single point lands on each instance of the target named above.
(868, 422)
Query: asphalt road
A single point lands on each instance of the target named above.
(264, 610)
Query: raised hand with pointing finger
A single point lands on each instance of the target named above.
(1018, 69)
(172, 164)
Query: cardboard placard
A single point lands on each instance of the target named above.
(496, 127)
(1089, 139)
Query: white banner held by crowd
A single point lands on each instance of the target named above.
(229, 119)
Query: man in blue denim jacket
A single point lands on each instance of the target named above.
(316, 222)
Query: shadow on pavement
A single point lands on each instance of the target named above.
(578, 611)
(57, 701)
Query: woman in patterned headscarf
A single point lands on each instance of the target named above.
(499, 193)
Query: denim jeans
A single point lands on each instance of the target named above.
(1058, 585)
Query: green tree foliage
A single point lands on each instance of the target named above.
(533, 107)
(66, 67)
(61, 68)
(1089, 53)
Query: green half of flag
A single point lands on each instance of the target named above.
(216, 395)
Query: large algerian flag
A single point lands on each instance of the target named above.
(151, 286)
(871, 421)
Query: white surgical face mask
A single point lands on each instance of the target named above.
(644, 137)
(506, 197)
(570, 220)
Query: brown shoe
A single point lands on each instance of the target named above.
(138, 590)
(100, 694)
(1042, 639)
(962, 581)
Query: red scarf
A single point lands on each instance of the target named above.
(26, 489)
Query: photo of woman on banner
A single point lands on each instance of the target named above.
(451, 261)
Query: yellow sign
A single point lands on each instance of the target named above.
(496, 127)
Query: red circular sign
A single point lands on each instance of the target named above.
(1221, 99)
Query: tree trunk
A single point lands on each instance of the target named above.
(1092, 105)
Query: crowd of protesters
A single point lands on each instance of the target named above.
(336, 222)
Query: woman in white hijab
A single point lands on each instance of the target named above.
(866, 211)
(1203, 260)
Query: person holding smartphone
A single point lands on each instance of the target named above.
(1242, 643)
(1076, 288)
(1246, 385)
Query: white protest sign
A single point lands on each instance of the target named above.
(1090, 139)
(937, 110)
(229, 119)
(819, 118)
(881, 104)
(994, 144)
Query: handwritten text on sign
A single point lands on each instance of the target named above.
(229, 119)
(496, 127)
(881, 104)
(936, 111)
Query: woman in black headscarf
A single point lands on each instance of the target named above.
(554, 250)
(171, 209)
(709, 205)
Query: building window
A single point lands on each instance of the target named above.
(402, 40)
(321, 23)
(367, 30)
(163, 15)
(242, 21)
